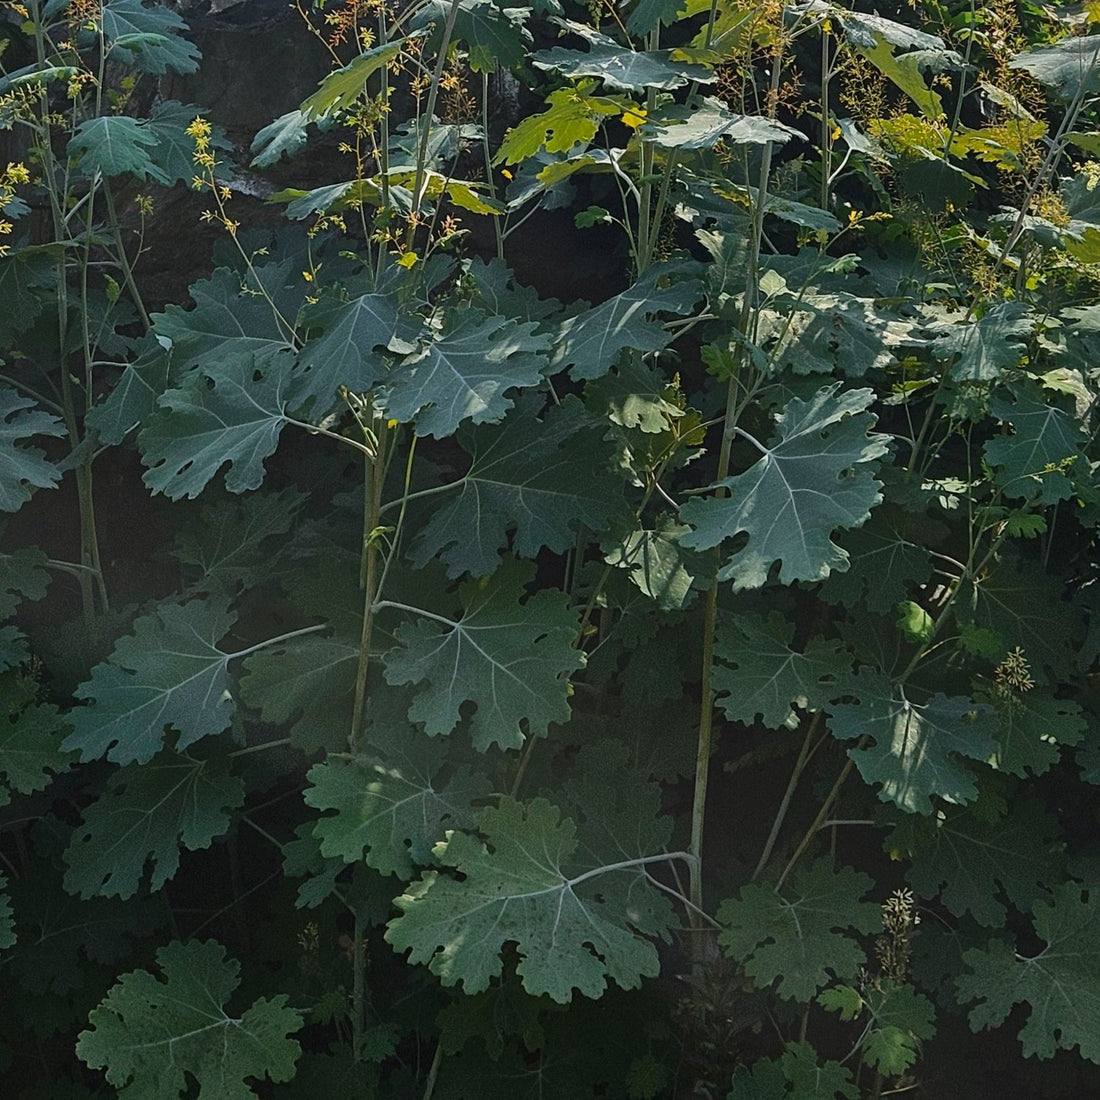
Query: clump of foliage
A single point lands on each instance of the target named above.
(685, 693)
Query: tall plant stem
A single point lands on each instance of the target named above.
(705, 745)
(488, 154)
(822, 815)
(358, 989)
(374, 475)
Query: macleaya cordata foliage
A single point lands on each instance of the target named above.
(418, 685)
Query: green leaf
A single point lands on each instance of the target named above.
(570, 926)
(902, 1018)
(342, 87)
(306, 683)
(115, 145)
(286, 135)
(133, 398)
(541, 476)
(634, 396)
(983, 349)
(507, 657)
(762, 675)
(230, 541)
(464, 373)
(797, 937)
(1044, 446)
(150, 41)
(495, 36)
(966, 859)
(146, 812)
(232, 322)
(1025, 608)
(796, 1074)
(1034, 727)
(222, 415)
(620, 68)
(703, 125)
(153, 1036)
(27, 276)
(22, 573)
(1071, 67)
(391, 811)
(573, 118)
(916, 751)
(886, 565)
(22, 467)
(817, 477)
(659, 566)
(30, 738)
(646, 15)
(168, 672)
(1060, 983)
(590, 342)
(345, 354)
(915, 623)
(172, 155)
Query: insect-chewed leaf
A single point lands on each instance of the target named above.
(573, 117)
(168, 672)
(154, 1036)
(496, 36)
(796, 1073)
(591, 341)
(1060, 983)
(147, 812)
(917, 751)
(133, 398)
(22, 466)
(816, 478)
(571, 930)
(1033, 729)
(22, 573)
(464, 373)
(966, 859)
(508, 658)
(707, 123)
(762, 675)
(799, 936)
(542, 476)
(221, 415)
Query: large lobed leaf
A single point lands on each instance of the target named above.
(915, 751)
(464, 373)
(146, 813)
(798, 936)
(169, 672)
(571, 930)
(153, 1036)
(760, 674)
(1060, 983)
(541, 476)
(391, 810)
(22, 466)
(507, 657)
(816, 478)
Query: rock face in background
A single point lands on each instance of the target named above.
(259, 61)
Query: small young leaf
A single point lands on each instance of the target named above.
(153, 1036)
